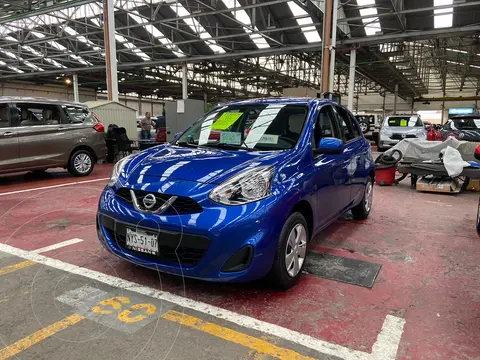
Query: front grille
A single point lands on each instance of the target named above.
(400, 137)
(173, 247)
(181, 205)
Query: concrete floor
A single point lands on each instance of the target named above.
(424, 304)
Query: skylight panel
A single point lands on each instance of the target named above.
(124, 41)
(371, 24)
(443, 18)
(157, 34)
(81, 38)
(18, 58)
(197, 28)
(302, 18)
(60, 47)
(242, 16)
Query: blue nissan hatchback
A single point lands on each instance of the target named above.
(240, 193)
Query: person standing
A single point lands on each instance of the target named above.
(146, 125)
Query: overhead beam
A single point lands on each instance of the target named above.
(413, 11)
(45, 10)
(448, 98)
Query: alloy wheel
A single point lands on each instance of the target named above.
(368, 195)
(82, 163)
(296, 250)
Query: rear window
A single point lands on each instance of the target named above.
(404, 121)
(466, 124)
(79, 114)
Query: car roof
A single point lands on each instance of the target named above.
(469, 116)
(38, 100)
(282, 100)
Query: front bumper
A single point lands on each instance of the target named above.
(196, 245)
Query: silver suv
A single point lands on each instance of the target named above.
(37, 134)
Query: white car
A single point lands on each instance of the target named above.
(395, 128)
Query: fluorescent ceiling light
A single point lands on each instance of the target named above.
(302, 18)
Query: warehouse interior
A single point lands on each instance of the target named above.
(400, 284)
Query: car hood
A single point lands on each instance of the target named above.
(467, 135)
(197, 164)
(405, 129)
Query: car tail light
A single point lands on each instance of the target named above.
(98, 126)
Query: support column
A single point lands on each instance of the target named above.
(110, 50)
(327, 30)
(332, 46)
(395, 100)
(75, 88)
(351, 78)
(383, 105)
(139, 104)
(184, 81)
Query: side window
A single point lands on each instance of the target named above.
(325, 125)
(4, 116)
(77, 114)
(347, 126)
(38, 114)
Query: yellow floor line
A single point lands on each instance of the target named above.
(260, 346)
(15, 267)
(38, 336)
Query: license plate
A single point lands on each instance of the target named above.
(141, 241)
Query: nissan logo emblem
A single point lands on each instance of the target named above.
(149, 201)
(404, 135)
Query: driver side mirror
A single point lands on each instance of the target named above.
(329, 145)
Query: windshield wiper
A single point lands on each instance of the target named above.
(231, 146)
(186, 144)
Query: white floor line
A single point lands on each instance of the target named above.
(385, 347)
(57, 246)
(52, 186)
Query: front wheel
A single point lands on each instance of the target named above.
(81, 163)
(291, 252)
(362, 210)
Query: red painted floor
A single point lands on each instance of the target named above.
(426, 243)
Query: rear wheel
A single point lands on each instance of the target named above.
(81, 163)
(291, 252)
(362, 210)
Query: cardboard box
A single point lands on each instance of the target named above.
(473, 185)
(438, 184)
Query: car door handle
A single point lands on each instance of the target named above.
(62, 128)
(8, 133)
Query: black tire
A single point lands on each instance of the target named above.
(478, 216)
(278, 274)
(83, 154)
(364, 126)
(361, 211)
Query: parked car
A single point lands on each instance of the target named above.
(462, 127)
(369, 122)
(395, 128)
(242, 206)
(37, 134)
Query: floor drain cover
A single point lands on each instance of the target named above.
(338, 268)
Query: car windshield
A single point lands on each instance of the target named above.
(404, 121)
(466, 124)
(255, 126)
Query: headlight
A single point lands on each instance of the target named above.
(248, 186)
(421, 133)
(386, 131)
(117, 169)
